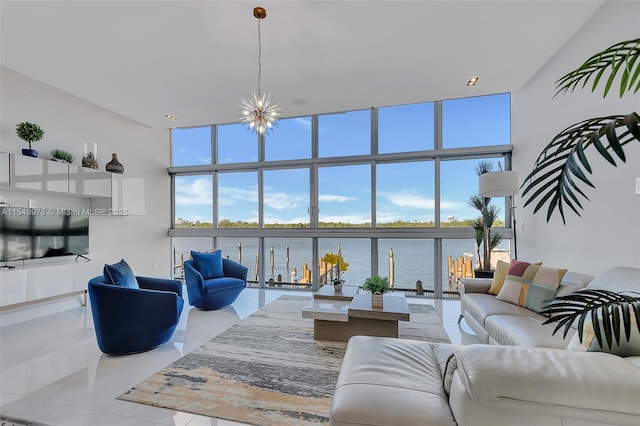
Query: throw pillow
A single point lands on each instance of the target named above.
(543, 287)
(208, 264)
(498, 277)
(516, 283)
(121, 275)
(590, 343)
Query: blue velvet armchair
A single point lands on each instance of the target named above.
(215, 293)
(132, 320)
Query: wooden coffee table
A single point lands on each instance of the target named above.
(340, 315)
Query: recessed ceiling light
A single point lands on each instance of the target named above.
(171, 117)
(472, 81)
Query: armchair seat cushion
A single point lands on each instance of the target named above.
(222, 284)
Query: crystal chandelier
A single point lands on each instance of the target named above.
(259, 110)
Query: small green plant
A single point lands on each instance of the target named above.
(63, 155)
(29, 132)
(377, 284)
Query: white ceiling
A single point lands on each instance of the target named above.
(196, 59)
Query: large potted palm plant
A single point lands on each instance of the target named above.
(486, 239)
(563, 167)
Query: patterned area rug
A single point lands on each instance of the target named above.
(266, 370)
(14, 421)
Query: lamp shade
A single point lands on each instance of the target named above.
(499, 184)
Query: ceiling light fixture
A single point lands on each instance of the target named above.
(472, 81)
(171, 117)
(259, 110)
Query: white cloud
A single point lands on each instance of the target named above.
(346, 218)
(334, 198)
(410, 200)
(196, 192)
(305, 123)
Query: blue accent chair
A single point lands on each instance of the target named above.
(132, 320)
(215, 293)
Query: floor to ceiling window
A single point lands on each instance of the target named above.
(387, 188)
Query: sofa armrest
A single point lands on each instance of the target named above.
(475, 285)
(593, 386)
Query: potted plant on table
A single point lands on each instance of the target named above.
(377, 285)
(29, 132)
(337, 263)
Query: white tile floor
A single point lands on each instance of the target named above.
(53, 372)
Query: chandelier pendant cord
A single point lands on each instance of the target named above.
(259, 60)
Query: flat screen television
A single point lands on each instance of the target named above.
(38, 233)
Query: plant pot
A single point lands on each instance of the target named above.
(377, 301)
(338, 286)
(483, 273)
(30, 152)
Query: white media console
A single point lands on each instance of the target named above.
(42, 282)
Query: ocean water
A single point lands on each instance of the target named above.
(412, 259)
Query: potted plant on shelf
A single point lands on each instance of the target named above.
(377, 285)
(486, 241)
(61, 155)
(337, 263)
(29, 132)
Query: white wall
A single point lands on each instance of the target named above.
(608, 233)
(68, 122)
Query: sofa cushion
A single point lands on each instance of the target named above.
(385, 381)
(617, 279)
(543, 287)
(573, 281)
(557, 386)
(481, 306)
(516, 284)
(510, 330)
(498, 277)
(120, 274)
(208, 264)
(590, 343)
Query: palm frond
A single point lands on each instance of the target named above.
(623, 56)
(610, 312)
(563, 165)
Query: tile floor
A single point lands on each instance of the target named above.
(53, 372)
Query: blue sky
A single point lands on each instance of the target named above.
(404, 191)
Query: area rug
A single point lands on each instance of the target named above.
(15, 421)
(266, 370)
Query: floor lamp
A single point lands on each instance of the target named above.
(502, 184)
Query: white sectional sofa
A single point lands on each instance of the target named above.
(386, 381)
(503, 323)
(497, 322)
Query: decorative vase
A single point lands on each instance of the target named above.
(30, 152)
(338, 286)
(377, 300)
(114, 166)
